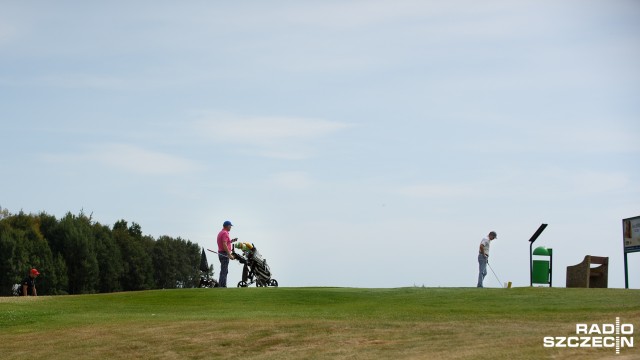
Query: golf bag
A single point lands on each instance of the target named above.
(205, 280)
(256, 270)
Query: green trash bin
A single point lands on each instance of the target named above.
(541, 267)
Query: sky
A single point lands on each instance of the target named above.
(355, 143)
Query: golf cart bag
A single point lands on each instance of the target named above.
(256, 270)
(205, 280)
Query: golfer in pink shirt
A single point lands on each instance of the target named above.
(224, 252)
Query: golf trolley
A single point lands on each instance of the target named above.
(255, 270)
(207, 282)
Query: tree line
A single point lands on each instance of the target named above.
(76, 255)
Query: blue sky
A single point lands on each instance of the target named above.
(356, 143)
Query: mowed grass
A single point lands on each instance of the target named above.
(312, 323)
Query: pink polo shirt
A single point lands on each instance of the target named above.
(223, 237)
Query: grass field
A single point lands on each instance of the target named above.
(313, 323)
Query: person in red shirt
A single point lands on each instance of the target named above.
(225, 252)
(29, 285)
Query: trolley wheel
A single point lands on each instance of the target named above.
(273, 283)
(243, 284)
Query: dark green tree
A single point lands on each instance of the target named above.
(176, 263)
(109, 258)
(24, 247)
(135, 249)
(165, 263)
(189, 273)
(77, 256)
(75, 241)
(9, 271)
(57, 277)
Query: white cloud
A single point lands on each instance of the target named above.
(283, 154)
(599, 140)
(577, 136)
(142, 161)
(556, 184)
(7, 33)
(265, 129)
(358, 14)
(129, 158)
(437, 190)
(294, 180)
(593, 182)
(79, 80)
(549, 183)
(267, 136)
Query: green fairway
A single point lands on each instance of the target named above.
(301, 323)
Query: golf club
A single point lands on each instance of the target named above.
(494, 273)
(215, 252)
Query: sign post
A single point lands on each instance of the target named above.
(631, 242)
(534, 237)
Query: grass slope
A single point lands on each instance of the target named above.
(303, 323)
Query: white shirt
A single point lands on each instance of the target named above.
(486, 243)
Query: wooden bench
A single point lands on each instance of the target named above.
(583, 275)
